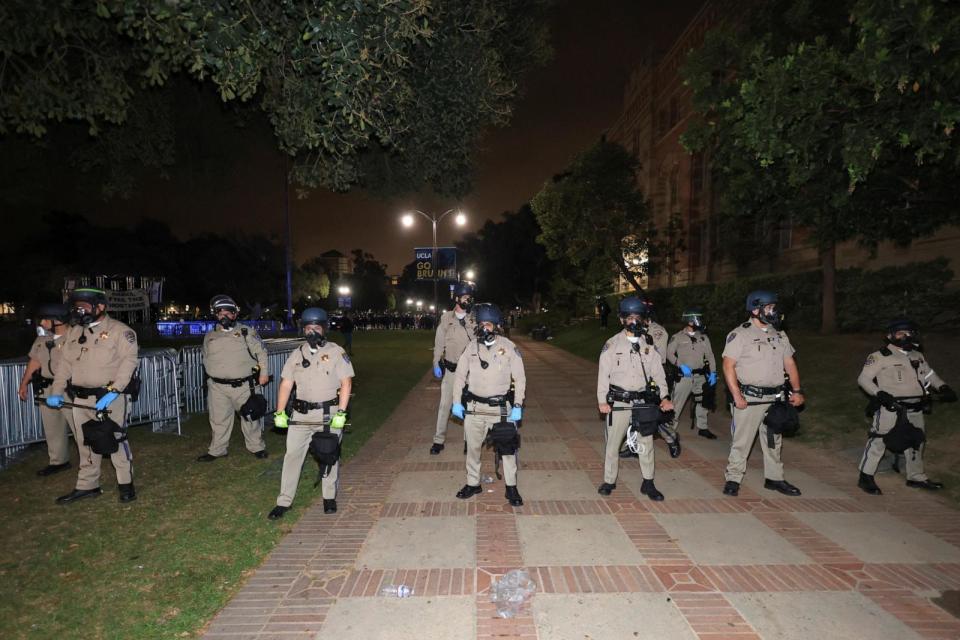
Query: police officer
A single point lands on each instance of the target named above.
(899, 377)
(45, 356)
(656, 336)
(482, 380)
(630, 370)
(234, 359)
(98, 364)
(322, 373)
(756, 358)
(690, 352)
(455, 330)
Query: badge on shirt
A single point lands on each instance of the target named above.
(324, 357)
(104, 335)
(501, 351)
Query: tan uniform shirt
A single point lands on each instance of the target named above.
(452, 337)
(48, 351)
(902, 374)
(660, 338)
(691, 350)
(629, 368)
(107, 357)
(504, 364)
(320, 379)
(759, 354)
(225, 353)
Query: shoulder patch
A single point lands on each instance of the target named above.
(870, 360)
(346, 358)
(606, 345)
(130, 336)
(516, 350)
(731, 337)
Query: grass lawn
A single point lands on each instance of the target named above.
(829, 366)
(163, 565)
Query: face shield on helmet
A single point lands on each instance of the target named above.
(694, 318)
(225, 310)
(87, 306)
(904, 334)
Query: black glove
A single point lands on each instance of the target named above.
(947, 394)
(887, 400)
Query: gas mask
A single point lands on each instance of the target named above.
(635, 327)
(315, 339)
(41, 332)
(697, 323)
(226, 322)
(82, 317)
(486, 336)
(466, 305)
(909, 342)
(773, 318)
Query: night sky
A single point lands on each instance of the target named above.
(235, 179)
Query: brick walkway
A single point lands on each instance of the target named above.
(834, 563)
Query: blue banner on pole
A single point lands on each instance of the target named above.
(446, 263)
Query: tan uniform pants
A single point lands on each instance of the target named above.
(883, 422)
(746, 424)
(446, 403)
(55, 430)
(682, 390)
(88, 476)
(298, 442)
(476, 424)
(616, 430)
(223, 402)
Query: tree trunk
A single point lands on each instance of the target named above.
(828, 262)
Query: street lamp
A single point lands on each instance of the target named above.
(407, 220)
(343, 290)
(469, 274)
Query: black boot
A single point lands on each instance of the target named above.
(127, 492)
(468, 491)
(261, 455)
(209, 458)
(606, 488)
(867, 483)
(648, 489)
(277, 512)
(329, 506)
(79, 494)
(51, 469)
(436, 449)
(513, 496)
(925, 484)
(706, 433)
(782, 486)
(731, 488)
(674, 448)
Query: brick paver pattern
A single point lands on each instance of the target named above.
(317, 565)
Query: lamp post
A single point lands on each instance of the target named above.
(407, 221)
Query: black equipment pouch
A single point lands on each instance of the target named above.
(99, 436)
(903, 436)
(449, 366)
(39, 382)
(781, 419)
(644, 418)
(254, 408)
(133, 387)
(325, 449)
(708, 397)
(505, 438)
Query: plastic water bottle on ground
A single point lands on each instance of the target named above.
(486, 479)
(512, 592)
(396, 591)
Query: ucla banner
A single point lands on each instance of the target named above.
(446, 263)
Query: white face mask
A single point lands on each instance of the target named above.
(41, 332)
(460, 316)
(633, 339)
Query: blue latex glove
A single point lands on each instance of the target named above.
(437, 371)
(105, 401)
(55, 401)
(516, 414)
(458, 410)
(686, 371)
(712, 378)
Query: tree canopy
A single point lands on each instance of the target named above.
(386, 94)
(834, 116)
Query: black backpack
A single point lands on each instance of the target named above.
(904, 435)
(325, 448)
(782, 419)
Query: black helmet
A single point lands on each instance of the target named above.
(908, 342)
(634, 305)
(901, 324)
(52, 311)
(463, 289)
(222, 301)
(313, 315)
(487, 312)
(760, 298)
(91, 295)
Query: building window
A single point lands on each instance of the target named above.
(785, 235)
(675, 190)
(696, 184)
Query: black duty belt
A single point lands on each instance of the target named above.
(234, 382)
(921, 403)
(622, 395)
(83, 393)
(702, 371)
(493, 401)
(758, 392)
(449, 366)
(40, 382)
(303, 406)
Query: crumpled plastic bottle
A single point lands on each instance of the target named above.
(396, 591)
(512, 592)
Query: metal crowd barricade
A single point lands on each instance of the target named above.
(158, 403)
(195, 391)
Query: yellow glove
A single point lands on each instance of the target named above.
(339, 420)
(280, 420)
